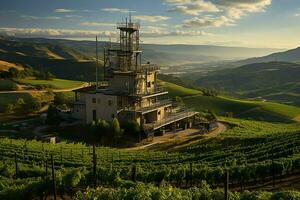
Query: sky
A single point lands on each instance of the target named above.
(247, 23)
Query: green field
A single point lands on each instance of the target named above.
(53, 84)
(176, 90)
(243, 108)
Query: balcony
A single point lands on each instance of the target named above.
(171, 118)
(123, 25)
(150, 108)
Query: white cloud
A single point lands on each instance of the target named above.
(149, 18)
(223, 12)
(63, 10)
(55, 33)
(194, 8)
(73, 16)
(96, 24)
(121, 10)
(69, 33)
(207, 21)
(29, 17)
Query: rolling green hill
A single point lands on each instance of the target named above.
(245, 109)
(274, 81)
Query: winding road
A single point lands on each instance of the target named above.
(176, 140)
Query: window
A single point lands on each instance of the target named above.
(158, 113)
(93, 100)
(94, 115)
(99, 101)
(149, 84)
(152, 82)
(110, 102)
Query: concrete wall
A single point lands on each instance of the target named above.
(122, 83)
(106, 106)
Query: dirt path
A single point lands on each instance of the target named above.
(297, 119)
(175, 140)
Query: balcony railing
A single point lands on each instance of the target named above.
(171, 118)
(128, 25)
(150, 107)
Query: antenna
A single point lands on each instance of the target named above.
(96, 63)
(129, 17)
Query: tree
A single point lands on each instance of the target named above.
(179, 101)
(13, 72)
(20, 105)
(53, 117)
(9, 108)
(49, 76)
(60, 99)
(31, 105)
(116, 129)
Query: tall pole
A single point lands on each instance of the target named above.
(226, 185)
(16, 164)
(94, 166)
(96, 63)
(53, 178)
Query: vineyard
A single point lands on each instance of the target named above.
(252, 152)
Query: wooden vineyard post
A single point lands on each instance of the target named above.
(46, 166)
(226, 185)
(273, 168)
(16, 164)
(191, 174)
(53, 178)
(61, 156)
(94, 166)
(133, 173)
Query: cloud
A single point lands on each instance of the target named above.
(149, 18)
(55, 33)
(238, 8)
(193, 8)
(63, 10)
(207, 21)
(29, 17)
(224, 12)
(73, 16)
(121, 10)
(96, 24)
(69, 33)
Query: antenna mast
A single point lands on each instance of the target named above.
(96, 63)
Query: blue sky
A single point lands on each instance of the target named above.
(250, 23)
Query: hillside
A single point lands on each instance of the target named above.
(278, 81)
(245, 109)
(292, 55)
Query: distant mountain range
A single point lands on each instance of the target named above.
(292, 55)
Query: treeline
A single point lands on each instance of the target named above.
(27, 71)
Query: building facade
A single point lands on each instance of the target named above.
(131, 92)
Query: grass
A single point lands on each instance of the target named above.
(245, 109)
(6, 85)
(54, 84)
(176, 90)
(257, 129)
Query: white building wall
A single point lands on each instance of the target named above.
(104, 105)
